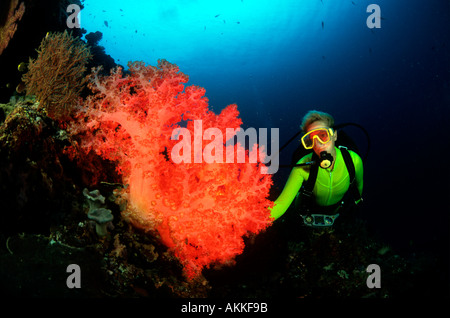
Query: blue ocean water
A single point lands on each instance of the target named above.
(279, 59)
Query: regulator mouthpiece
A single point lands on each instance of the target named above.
(326, 159)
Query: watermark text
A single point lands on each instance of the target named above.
(213, 152)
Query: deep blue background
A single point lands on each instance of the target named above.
(279, 59)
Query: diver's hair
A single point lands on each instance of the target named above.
(315, 115)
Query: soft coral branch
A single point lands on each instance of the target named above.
(9, 26)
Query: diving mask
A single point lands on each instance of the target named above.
(323, 135)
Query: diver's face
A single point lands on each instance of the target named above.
(318, 146)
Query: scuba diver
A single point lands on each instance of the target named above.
(325, 182)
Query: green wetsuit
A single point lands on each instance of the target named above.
(330, 186)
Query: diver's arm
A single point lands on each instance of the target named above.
(288, 194)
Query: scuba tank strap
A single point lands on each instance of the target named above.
(306, 191)
(348, 162)
(351, 171)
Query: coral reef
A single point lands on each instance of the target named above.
(8, 23)
(99, 56)
(97, 212)
(201, 211)
(35, 177)
(57, 76)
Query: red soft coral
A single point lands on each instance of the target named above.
(200, 210)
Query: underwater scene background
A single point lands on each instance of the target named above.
(276, 60)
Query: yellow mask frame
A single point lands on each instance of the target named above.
(308, 140)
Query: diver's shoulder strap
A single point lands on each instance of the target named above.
(306, 190)
(309, 185)
(352, 173)
(348, 162)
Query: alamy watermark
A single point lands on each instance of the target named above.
(74, 19)
(374, 19)
(213, 152)
(374, 279)
(74, 279)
